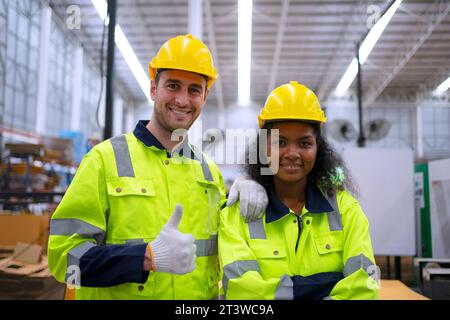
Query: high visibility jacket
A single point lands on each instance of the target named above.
(124, 192)
(325, 253)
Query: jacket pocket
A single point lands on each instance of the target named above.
(209, 202)
(212, 283)
(209, 185)
(135, 290)
(130, 201)
(127, 186)
(271, 257)
(267, 249)
(212, 192)
(329, 242)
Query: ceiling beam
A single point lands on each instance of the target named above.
(133, 8)
(347, 35)
(278, 45)
(436, 13)
(425, 92)
(264, 17)
(229, 17)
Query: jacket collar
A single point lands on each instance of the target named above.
(146, 137)
(315, 202)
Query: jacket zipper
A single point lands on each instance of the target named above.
(300, 225)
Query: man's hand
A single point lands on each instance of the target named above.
(173, 251)
(252, 196)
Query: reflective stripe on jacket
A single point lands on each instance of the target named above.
(326, 253)
(120, 198)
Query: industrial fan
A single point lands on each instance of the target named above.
(342, 130)
(377, 129)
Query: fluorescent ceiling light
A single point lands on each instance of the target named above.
(348, 77)
(366, 47)
(443, 86)
(376, 31)
(101, 7)
(245, 10)
(126, 50)
(132, 61)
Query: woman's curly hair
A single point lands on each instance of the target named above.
(329, 172)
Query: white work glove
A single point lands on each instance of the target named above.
(252, 196)
(173, 251)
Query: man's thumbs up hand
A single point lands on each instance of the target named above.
(173, 251)
(175, 219)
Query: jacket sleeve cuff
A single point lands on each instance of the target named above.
(137, 273)
(111, 265)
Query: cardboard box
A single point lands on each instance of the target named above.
(25, 228)
(21, 149)
(27, 253)
(20, 280)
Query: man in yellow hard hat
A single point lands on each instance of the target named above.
(140, 219)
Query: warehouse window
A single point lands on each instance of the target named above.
(3, 37)
(436, 132)
(19, 57)
(60, 75)
(89, 100)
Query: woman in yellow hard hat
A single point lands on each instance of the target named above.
(313, 240)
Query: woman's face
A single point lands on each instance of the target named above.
(297, 150)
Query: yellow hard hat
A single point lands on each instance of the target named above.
(291, 101)
(184, 53)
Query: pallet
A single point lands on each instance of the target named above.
(13, 287)
(6, 251)
(20, 280)
(19, 268)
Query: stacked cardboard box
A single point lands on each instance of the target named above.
(27, 228)
(24, 272)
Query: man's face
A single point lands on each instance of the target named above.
(179, 99)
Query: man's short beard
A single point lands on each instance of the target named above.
(164, 125)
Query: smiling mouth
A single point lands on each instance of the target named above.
(180, 112)
(291, 166)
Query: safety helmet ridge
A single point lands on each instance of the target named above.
(291, 101)
(187, 53)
